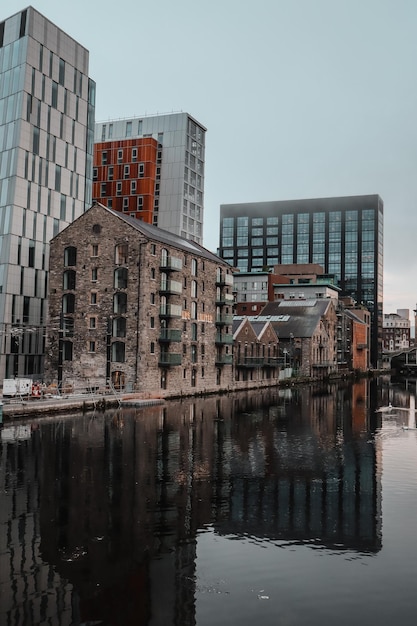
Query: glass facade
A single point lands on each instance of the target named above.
(343, 235)
(47, 105)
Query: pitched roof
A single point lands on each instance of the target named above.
(294, 318)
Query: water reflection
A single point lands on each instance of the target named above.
(100, 513)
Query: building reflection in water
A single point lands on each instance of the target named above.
(100, 513)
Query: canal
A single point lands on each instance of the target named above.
(294, 506)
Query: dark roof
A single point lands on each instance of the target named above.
(298, 319)
(158, 234)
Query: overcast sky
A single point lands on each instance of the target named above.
(300, 98)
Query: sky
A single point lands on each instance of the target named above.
(300, 98)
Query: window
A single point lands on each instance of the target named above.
(134, 154)
(119, 327)
(68, 303)
(120, 156)
(194, 267)
(140, 203)
(125, 204)
(118, 189)
(70, 256)
(152, 298)
(193, 353)
(120, 278)
(95, 173)
(193, 310)
(153, 249)
(69, 279)
(94, 249)
(103, 189)
(120, 302)
(120, 254)
(132, 186)
(193, 331)
(93, 322)
(104, 158)
(152, 347)
(128, 129)
(93, 297)
(92, 346)
(152, 322)
(126, 171)
(94, 274)
(193, 288)
(118, 352)
(110, 172)
(141, 170)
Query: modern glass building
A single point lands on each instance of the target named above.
(344, 235)
(168, 192)
(47, 104)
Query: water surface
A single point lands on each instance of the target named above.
(296, 506)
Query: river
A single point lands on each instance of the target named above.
(293, 506)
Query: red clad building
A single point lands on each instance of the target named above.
(126, 174)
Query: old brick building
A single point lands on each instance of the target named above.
(137, 308)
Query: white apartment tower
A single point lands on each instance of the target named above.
(179, 186)
(47, 104)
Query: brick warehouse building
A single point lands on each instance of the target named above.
(137, 307)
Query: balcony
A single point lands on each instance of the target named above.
(251, 362)
(225, 299)
(224, 359)
(224, 279)
(170, 334)
(168, 359)
(170, 286)
(272, 361)
(224, 320)
(171, 263)
(224, 339)
(170, 310)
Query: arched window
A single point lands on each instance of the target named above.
(120, 254)
(119, 327)
(164, 257)
(193, 288)
(68, 303)
(120, 278)
(193, 331)
(118, 352)
(193, 310)
(69, 279)
(70, 256)
(120, 303)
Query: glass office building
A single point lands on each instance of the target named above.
(344, 235)
(47, 104)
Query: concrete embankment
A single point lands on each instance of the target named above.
(37, 407)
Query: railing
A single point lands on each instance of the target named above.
(224, 299)
(170, 310)
(222, 320)
(171, 263)
(224, 279)
(250, 361)
(171, 286)
(170, 334)
(168, 359)
(224, 359)
(224, 339)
